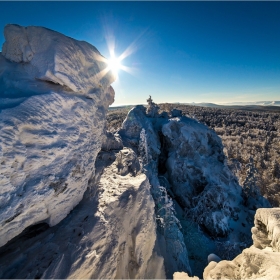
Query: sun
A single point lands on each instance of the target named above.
(114, 64)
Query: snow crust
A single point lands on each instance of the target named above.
(50, 134)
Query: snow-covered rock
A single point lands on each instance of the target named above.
(184, 159)
(260, 261)
(51, 56)
(183, 276)
(111, 234)
(52, 116)
(201, 181)
(266, 232)
(141, 133)
(111, 141)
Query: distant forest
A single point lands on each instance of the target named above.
(244, 133)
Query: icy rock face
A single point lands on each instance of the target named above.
(111, 141)
(51, 56)
(140, 132)
(201, 181)
(50, 139)
(111, 234)
(260, 261)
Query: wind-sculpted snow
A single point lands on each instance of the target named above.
(111, 234)
(51, 56)
(260, 261)
(49, 135)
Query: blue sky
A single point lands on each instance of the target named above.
(183, 51)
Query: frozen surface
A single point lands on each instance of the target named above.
(111, 234)
(185, 164)
(50, 56)
(266, 232)
(253, 263)
(50, 134)
(260, 261)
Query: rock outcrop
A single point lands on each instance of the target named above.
(260, 261)
(54, 93)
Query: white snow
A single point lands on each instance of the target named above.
(49, 136)
(260, 261)
(111, 234)
(54, 57)
(267, 229)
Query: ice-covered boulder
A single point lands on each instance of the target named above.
(51, 124)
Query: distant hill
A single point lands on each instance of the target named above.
(258, 103)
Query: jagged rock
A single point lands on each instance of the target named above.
(111, 142)
(260, 261)
(266, 232)
(49, 137)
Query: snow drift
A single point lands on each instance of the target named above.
(54, 93)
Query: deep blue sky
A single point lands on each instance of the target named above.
(185, 51)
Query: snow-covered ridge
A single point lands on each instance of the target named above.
(54, 103)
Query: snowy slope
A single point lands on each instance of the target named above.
(50, 132)
(111, 234)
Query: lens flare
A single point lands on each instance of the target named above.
(114, 63)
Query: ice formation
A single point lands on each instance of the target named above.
(52, 117)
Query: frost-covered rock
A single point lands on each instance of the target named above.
(111, 141)
(186, 166)
(51, 56)
(183, 276)
(111, 234)
(201, 181)
(139, 131)
(50, 134)
(260, 261)
(266, 232)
